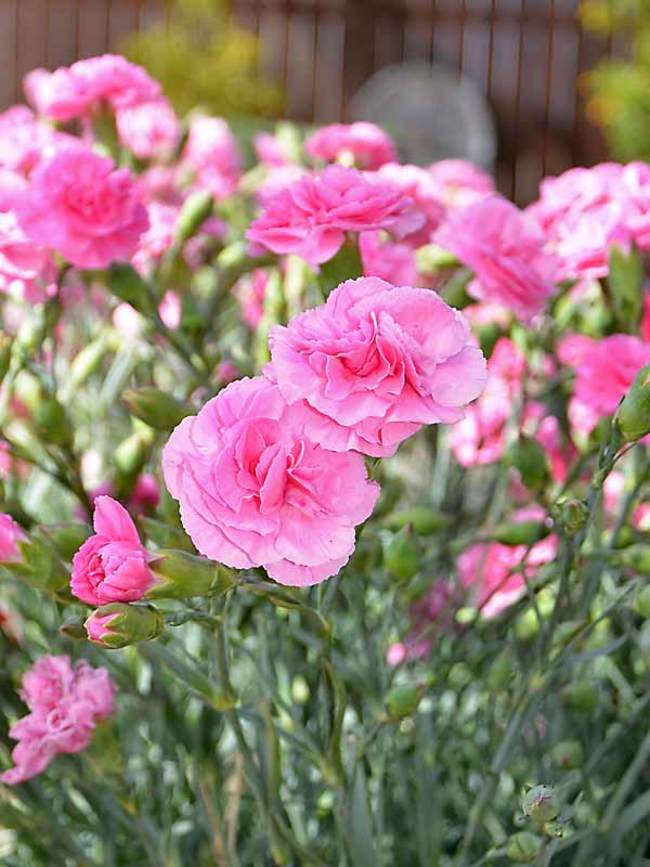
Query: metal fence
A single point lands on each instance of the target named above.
(526, 55)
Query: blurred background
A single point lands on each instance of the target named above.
(536, 73)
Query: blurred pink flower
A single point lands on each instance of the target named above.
(170, 309)
(429, 615)
(311, 216)
(112, 565)
(26, 141)
(256, 490)
(250, 291)
(418, 184)
(390, 260)
(375, 363)
(146, 494)
(211, 153)
(362, 144)
(506, 252)
(459, 183)
(24, 265)
(583, 211)
(66, 704)
(155, 242)
(10, 535)
(269, 150)
(150, 130)
(80, 205)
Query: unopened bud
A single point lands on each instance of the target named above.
(5, 353)
(581, 696)
(568, 755)
(626, 279)
(432, 258)
(119, 625)
(127, 285)
(524, 846)
(180, 575)
(520, 532)
(85, 363)
(402, 554)
(132, 452)
(528, 457)
(571, 514)
(633, 414)
(424, 521)
(636, 557)
(195, 211)
(540, 804)
(52, 422)
(157, 409)
(642, 603)
(403, 700)
(502, 671)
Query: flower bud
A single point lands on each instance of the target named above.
(431, 259)
(195, 211)
(540, 804)
(636, 557)
(179, 575)
(155, 408)
(127, 285)
(642, 603)
(85, 363)
(570, 513)
(501, 671)
(119, 625)
(626, 279)
(633, 414)
(568, 755)
(5, 353)
(581, 696)
(403, 700)
(520, 533)
(528, 457)
(132, 452)
(52, 422)
(524, 846)
(402, 554)
(424, 521)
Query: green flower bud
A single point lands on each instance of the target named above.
(403, 700)
(402, 554)
(52, 422)
(568, 755)
(570, 514)
(233, 256)
(431, 259)
(195, 211)
(85, 363)
(119, 625)
(132, 452)
(642, 603)
(528, 456)
(520, 532)
(127, 285)
(5, 353)
(180, 575)
(501, 671)
(581, 696)
(635, 557)
(633, 414)
(155, 408)
(524, 846)
(626, 279)
(540, 804)
(424, 521)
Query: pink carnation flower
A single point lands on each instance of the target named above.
(26, 141)
(256, 490)
(75, 91)
(492, 573)
(79, 204)
(270, 150)
(505, 251)
(211, 152)
(112, 565)
(460, 183)
(311, 216)
(375, 363)
(10, 535)
(150, 130)
(66, 704)
(24, 266)
(584, 211)
(605, 369)
(417, 183)
(390, 260)
(362, 144)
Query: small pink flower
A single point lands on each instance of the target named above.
(311, 216)
(97, 626)
(155, 242)
(211, 152)
(460, 183)
(392, 261)
(269, 150)
(506, 252)
(492, 573)
(171, 309)
(256, 490)
(78, 204)
(362, 144)
(150, 130)
(26, 141)
(146, 494)
(10, 535)
(430, 615)
(24, 265)
(251, 292)
(112, 565)
(375, 363)
(418, 184)
(66, 704)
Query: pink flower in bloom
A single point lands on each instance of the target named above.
(211, 152)
(417, 183)
(460, 183)
(256, 490)
(605, 369)
(583, 211)
(155, 242)
(480, 437)
(26, 141)
(24, 266)
(269, 150)
(79, 204)
(10, 535)
(66, 704)
(506, 252)
(375, 363)
(362, 144)
(311, 216)
(150, 130)
(392, 261)
(251, 292)
(492, 572)
(112, 565)
(75, 91)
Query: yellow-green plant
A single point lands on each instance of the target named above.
(202, 58)
(619, 89)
